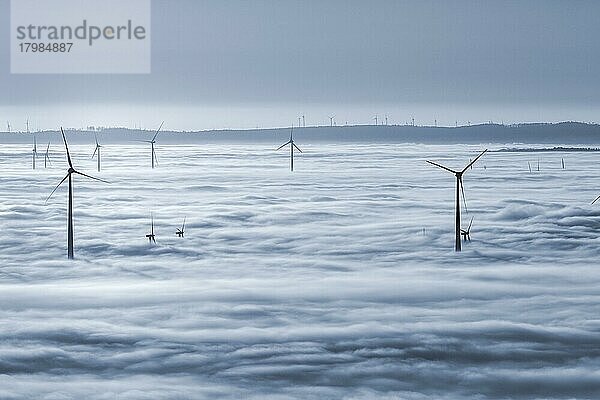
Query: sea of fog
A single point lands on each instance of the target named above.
(338, 280)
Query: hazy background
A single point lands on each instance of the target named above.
(247, 64)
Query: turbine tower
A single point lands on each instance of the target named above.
(292, 146)
(34, 151)
(152, 142)
(69, 176)
(97, 149)
(8, 126)
(459, 188)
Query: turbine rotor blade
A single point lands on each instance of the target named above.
(57, 186)
(95, 150)
(597, 198)
(441, 166)
(91, 177)
(183, 226)
(158, 130)
(473, 162)
(462, 188)
(470, 223)
(297, 148)
(283, 145)
(66, 147)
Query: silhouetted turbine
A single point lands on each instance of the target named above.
(97, 149)
(70, 172)
(47, 156)
(292, 146)
(153, 154)
(151, 236)
(181, 231)
(459, 188)
(34, 151)
(466, 234)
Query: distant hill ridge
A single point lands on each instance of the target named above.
(538, 133)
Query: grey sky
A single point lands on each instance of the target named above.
(250, 63)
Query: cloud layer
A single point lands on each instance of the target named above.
(337, 281)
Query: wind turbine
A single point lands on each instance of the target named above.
(375, 118)
(47, 156)
(34, 151)
(466, 234)
(151, 236)
(303, 121)
(292, 145)
(529, 165)
(331, 120)
(69, 176)
(181, 231)
(562, 162)
(459, 188)
(153, 155)
(97, 149)
(8, 126)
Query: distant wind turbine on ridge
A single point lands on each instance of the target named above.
(69, 176)
(459, 188)
(331, 118)
(97, 150)
(292, 146)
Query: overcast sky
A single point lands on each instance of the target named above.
(256, 63)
